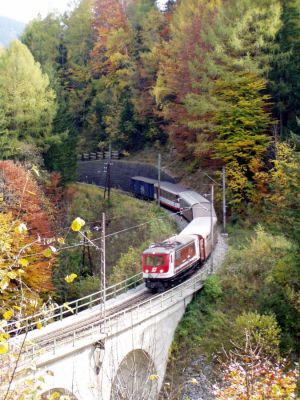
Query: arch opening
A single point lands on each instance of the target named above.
(135, 378)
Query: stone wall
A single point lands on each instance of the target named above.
(121, 173)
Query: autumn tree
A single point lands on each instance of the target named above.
(148, 25)
(284, 76)
(250, 375)
(26, 232)
(209, 64)
(280, 191)
(27, 102)
(112, 116)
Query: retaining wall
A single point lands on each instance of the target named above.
(121, 173)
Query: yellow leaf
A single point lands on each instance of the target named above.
(77, 224)
(47, 253)
(12, 274)
(23, 262)
(70, 278)
(39, 325)
(153, 377)
(3, 346)
(67, 307)
(17, 308)
(8, 314)
(60, 240)
(54, 396)
(194, 381)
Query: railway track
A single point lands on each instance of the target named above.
(60, 334)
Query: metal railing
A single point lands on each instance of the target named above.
(117, 322)
(59, 312)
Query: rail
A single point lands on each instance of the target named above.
(117, 322)
(59, 312)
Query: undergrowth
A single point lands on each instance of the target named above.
(131, 225)
(257, 289)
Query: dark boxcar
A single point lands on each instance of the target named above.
(143, 187)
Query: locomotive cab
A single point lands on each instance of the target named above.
(168, 263)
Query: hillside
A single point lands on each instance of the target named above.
(9, 30)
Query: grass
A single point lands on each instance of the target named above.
(133, 224)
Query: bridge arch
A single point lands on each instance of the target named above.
(60, 392)
(135, 378)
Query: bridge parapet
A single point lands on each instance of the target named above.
(60, 344)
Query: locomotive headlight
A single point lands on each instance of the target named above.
(147, 271)
(161, 271)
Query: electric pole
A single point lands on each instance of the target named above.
(212, 227)
(103, 272)
(224, 197)
(108, 176)
(158, 177)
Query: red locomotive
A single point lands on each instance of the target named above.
(168, 263)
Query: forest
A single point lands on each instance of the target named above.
(214, 83)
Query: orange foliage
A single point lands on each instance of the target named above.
(109, 16)
(26, 201)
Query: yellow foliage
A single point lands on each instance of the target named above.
(3, 346)
(8, 315)
(70, 278)
(77, 224)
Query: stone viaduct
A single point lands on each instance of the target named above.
(117, 354)
(121, 356)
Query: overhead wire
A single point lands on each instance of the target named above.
(81, 243)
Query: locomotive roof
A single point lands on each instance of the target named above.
(169, 245)
(170, 187)
(144, 179)
(199, 226)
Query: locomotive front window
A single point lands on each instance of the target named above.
(155, 261)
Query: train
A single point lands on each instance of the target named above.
(169, 262)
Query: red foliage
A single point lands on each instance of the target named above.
(27, 202)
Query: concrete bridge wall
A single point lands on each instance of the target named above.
(130, 365)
